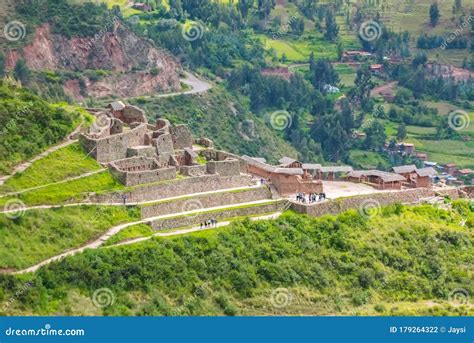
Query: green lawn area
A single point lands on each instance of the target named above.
(64, 163)
(75, 190)
(446, 151)
(40, 234)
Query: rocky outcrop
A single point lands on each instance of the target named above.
(133, 65)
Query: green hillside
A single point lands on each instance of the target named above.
(401, 261)
(29, 124)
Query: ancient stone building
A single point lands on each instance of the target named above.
(138, 152)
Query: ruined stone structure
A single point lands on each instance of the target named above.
(138, 152)
(287, 180)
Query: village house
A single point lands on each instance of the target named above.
(376, 69)
(142, 7)
(416, 177)
(380, 180)
(287, 180)
(281, 72)
(450, 168)
(355, 55)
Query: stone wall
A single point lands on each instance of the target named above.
(224, 168)
(174, 188)
(146, 151)
(182, 137)
(205, 142)
(206, 201)
(114, 147)
(340, 205)
(291, 184)
(140, 178)
(183, 221)
(140, 170)
(132, 114)
(219, 155)
(196, 170)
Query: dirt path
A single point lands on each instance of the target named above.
(197, 86)
(190, 230)
(54, 183)
(116, 229)
(43, 207)
(24, 165)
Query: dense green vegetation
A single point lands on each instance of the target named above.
(29, 124)
(66, 17)
(38, 234)
(404, 260)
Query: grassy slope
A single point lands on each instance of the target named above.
(64, 163)
(402, 261)
(70, 191)
(39, 234)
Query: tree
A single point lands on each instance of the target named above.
(376, 136)
(363, 84)
(2, 65)
(401, 131)
(244, 7)
(434, 14)
(332, 29)
(322, 73)
(457, 5)
(21, 71)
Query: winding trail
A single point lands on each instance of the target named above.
(44, 207)
(190, 230)
(97, 243)
(197, 86)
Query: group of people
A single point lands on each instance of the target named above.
(209, 223)
(310, 198)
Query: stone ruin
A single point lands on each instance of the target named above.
(137, 152)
